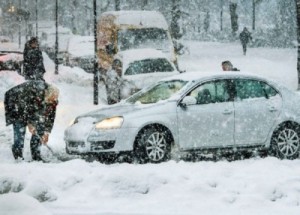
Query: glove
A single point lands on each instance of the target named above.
(45, 138)
(32, 129)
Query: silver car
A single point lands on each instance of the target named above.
(194, 112)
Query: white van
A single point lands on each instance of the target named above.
(125, 30)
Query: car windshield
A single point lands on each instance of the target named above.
(143, 38)
(149, 66)
(162, 91)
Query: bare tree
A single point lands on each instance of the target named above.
(74, 6)
(206, 22)
(234, 17)
(176, 13)
(221, 15)
(254, 3)
(117, 5)
(105, 6)
(298, 39)
(144, 4)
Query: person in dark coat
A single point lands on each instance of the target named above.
(227, 66)
(28, 104)
(33, 68)
(245, 37)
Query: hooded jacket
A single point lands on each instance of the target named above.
(25, 103)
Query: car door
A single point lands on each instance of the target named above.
(257, 106)
(210, 122)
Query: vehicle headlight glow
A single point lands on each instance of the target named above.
(72, 122)
(110, 123)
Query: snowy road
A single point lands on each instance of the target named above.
(252, 186)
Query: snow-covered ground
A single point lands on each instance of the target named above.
(252, 186)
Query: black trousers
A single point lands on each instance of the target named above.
(244, 48)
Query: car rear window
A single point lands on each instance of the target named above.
(149, 66)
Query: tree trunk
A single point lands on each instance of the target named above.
(144, 3)
(253, 14)
(234, 17)
(206, 23)
(117, 5)
(96, 70)
(221, 16)
(298, 39)
(74, 6)
(176, 13)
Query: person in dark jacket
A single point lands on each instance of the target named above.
(245, 37)
(28, 104)
(227, 66)
(33, 68)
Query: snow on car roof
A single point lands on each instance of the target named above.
(190, 76)
(81, 46)
(142, 19)
(11, 57)
(10, 46)
(132, 55)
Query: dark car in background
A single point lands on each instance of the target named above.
(80, 53)
(11, 56)
(47, 43)
(11, 60)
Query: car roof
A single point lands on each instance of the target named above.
(80, 46)
(198, 75)
(139, 54)
(10, 47)
(140, 19)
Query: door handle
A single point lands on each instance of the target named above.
(227, 111)
(272, 109)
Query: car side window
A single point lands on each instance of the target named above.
(211, 92)
(269, 91)
(246, 89)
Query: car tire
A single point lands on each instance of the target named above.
(153, 146)
(285, 141)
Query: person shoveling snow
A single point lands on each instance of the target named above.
(31, 104)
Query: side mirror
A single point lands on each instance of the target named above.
(110, 50)
(188, 100)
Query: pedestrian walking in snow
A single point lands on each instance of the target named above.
(31, 104)
(114, 83)
(33, 68)
(245, 37)
(227, 66)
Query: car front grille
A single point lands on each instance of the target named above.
(98, 145)
(76, 144)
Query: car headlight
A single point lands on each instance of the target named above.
(110, 123)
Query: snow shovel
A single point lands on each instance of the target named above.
(56, 155)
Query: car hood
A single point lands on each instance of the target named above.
(119, 109)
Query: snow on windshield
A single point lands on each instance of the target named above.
(161, 91)
(143, 38)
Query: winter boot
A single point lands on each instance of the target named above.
(17, 153)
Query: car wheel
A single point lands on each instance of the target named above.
(153, 146)
(285, 142)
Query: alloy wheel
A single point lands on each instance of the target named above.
(156, 146)
(288, 142)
